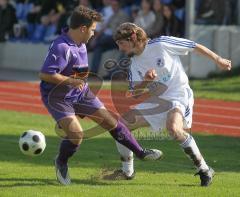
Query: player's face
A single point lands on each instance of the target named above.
(126, 47)
(89, 32)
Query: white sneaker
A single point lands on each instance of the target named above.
(152, 154)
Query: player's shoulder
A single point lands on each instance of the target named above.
(59, 44)
(163, 39)
(171, 41)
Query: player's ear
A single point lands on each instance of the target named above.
(134, 37)
(83, 28)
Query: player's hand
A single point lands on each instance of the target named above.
(77, 83)
(150, 75)
(224, 64)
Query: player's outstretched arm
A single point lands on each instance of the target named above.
(224, 64)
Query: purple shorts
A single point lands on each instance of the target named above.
(61, 105)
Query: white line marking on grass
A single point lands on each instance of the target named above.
(21, 104)
(20, 95)
(217, 107)
(216, 125)
(217, 116)
(19, 87)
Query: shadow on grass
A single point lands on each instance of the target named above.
(222, 153)
(26, 182)
(21, 182)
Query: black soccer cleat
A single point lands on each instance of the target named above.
(206, 176)
(152, 154)
(62, 172)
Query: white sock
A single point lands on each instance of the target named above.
(127, 159)
(191, 149)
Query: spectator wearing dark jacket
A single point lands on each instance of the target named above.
(157, 27)
(7, 19)
(172, 26)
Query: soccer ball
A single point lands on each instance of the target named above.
(32, 143)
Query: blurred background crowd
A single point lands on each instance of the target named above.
(40, 21)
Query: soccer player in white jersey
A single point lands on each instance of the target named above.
(155, 66)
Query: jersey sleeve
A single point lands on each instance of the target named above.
(177, 46)
(56, 60)
(133, 77)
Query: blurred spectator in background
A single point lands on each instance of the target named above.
(24, 17)
(216, 12)
(157, 27)
(179, 10)
(231, 16)
(145, 17)
(22, 9)
(69, 6)
(33, 16)
(134, 12)
(210, 12)
(7, 20)
(103, 39)
(50, 14)
(96, 4)
(172, 26)
(106, 12)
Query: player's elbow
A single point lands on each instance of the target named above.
(41, 76)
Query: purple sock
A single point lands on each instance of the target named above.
(66, 150)
(122, 134)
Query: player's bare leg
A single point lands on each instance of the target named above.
(175, 127)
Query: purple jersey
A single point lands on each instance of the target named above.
(63, 57)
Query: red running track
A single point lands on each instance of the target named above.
(210, 116)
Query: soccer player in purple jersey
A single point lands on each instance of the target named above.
(66, 54)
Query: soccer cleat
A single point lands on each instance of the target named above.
(62, 172)
(119, 175)
(206, 176)
(152, 154)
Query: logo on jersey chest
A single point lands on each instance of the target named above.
(160, 62)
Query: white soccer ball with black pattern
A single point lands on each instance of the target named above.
(32, 143)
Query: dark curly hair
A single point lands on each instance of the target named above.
(84, 16)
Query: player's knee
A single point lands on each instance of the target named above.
(174, 131)
(76, 137)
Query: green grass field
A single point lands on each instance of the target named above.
(172, 176)
(217, 88)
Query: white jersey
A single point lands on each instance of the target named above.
(162, 54)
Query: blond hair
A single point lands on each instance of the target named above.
(126, 31)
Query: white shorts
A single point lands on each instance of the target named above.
(155, 110)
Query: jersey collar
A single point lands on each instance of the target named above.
(65, 36)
